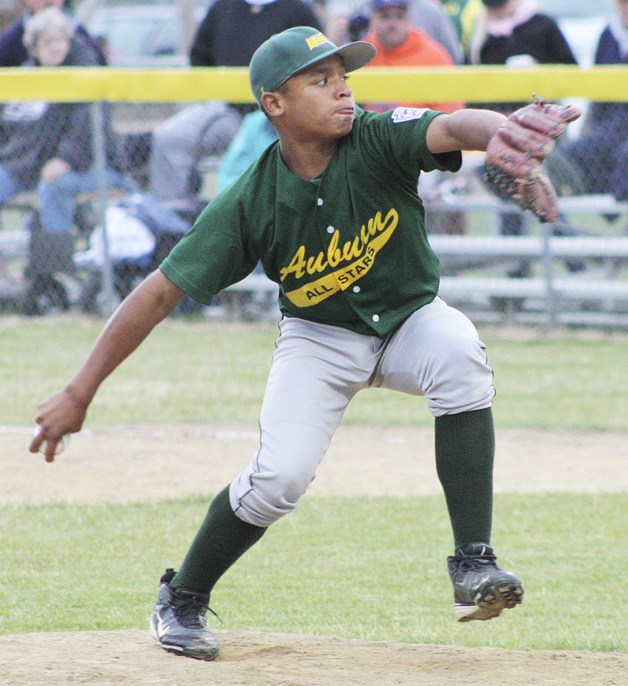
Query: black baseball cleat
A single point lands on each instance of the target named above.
(179, 623)
(481, 589)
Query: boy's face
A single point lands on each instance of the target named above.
(318, 102)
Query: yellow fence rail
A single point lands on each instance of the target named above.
(427, 84)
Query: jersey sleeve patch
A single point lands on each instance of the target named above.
(402, 114)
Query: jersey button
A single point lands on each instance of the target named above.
(330, 229)
(375, 317)
(356, 289)
(319, 202)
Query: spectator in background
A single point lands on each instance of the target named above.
(429, 16)
(13, 52)
(601, 153)
(424, 14)
(214, 44)
(232, 30)
(463, 14)
(255, 134)
(227, 37)
(515, 34)
(48, 146)
(399, 44)
(320, 10)
(182, 141)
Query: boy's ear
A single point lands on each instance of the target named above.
(272, 103)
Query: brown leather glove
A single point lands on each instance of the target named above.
(515, 154)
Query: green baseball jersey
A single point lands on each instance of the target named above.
(348, 248)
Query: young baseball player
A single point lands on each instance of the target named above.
(332, 212)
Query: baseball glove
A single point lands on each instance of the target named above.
(516, 151)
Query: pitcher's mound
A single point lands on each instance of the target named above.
(132, 658)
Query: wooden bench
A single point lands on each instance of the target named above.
(464, 253)
(562, 298)
(464, 191)
(603, 203)
(461, 288)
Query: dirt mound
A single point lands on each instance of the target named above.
(255, 659)
(137, 463)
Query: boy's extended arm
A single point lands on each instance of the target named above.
(465, 129)
(64, 412)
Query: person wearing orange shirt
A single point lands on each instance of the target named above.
(399, 44)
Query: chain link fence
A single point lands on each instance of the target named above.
(142, 172)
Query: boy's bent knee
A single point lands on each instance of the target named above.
(262, 500)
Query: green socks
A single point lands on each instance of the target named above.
(220, 541)
(465, 449)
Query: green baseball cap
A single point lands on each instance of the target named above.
(295, 49)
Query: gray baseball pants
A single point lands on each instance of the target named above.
(316, 371)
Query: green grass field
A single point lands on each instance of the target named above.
(194, 371)
(367, 567)
(371, 568)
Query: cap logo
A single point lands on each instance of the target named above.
(316, 40)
